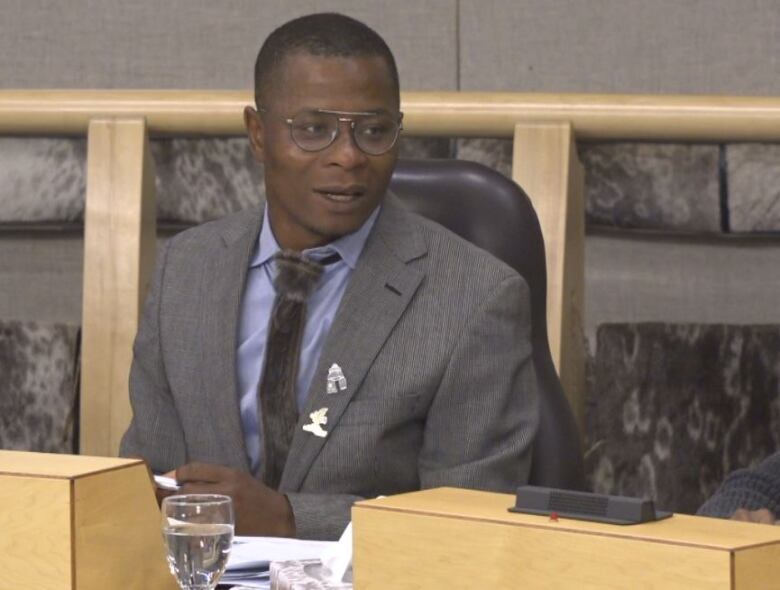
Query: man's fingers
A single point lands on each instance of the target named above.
(160, 494)
(202, 472)
(204, 488)
(762, 516)
(741, 514)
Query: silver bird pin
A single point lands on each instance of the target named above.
(318, 419)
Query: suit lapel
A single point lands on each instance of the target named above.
(227, 269)
(381, 287)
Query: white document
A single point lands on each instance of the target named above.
(166, 483)
(337, 558)
(243, 584)
(259, 552)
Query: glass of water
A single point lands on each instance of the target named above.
(198, 532)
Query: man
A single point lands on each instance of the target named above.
(752, 495)
(414, 368)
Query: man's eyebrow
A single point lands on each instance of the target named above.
(379, 111)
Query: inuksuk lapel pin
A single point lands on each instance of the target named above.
(336, 380)
(318, 418)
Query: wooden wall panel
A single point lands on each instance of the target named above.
(119, 248)
(545, 164)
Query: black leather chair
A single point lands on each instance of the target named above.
(492, 212)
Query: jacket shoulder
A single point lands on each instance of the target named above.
(228, 228)
(458, 255)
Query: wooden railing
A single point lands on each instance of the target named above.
(456, 114)
(120, 223)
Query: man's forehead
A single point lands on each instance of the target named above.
(300, 67)
(303, 60)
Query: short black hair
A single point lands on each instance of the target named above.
(325, 34)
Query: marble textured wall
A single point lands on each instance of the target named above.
(664, 187)
(753, 187)
(37, 405)
(43, 180)
(202, 179)
(670, 187)
(672, 408)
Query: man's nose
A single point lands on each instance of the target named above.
(344, 151)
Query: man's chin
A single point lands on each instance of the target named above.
(333, 232)
(334, 226)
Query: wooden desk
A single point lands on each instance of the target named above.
(452, 538)
(79, 523)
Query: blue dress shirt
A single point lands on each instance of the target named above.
(256, 306)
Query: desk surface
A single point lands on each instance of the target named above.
(680, 529)
(441, 537)
(57, 466)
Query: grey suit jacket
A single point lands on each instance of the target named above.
(433, 337)
(753, 488)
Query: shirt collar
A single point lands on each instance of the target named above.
(349, 247)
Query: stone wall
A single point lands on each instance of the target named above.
(38, 405)
(681, 188)
(674, 407)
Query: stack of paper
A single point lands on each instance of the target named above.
(251, 557)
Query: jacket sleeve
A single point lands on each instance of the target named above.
(321, 516)
(483, 419)
(155, 433)
(752, 489)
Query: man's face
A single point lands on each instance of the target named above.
(316, 197)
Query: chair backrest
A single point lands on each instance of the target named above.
(492, 212)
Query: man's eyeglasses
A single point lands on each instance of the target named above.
(314, 130)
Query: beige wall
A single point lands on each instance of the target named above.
(685, 46)
(198, 43)
(628, 278)
(645, 46)
(651, 278)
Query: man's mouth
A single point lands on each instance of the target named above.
(341, 194)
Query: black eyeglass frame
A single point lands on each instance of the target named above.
(343, 116)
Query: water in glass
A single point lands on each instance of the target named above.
(198, 531)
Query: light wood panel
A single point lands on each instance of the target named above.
(546, 166)
(63, 466)
(492, 507)
(79, 523)
(514, 557)
(751, 570)
(117, 532)
(596, 116)
(34, 532)
(119, 248)
(480, 114)
(463, 538)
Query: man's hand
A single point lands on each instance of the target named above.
(159, 493)
(762, 516)
(259, 510)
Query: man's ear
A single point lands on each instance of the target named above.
(254, 129)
